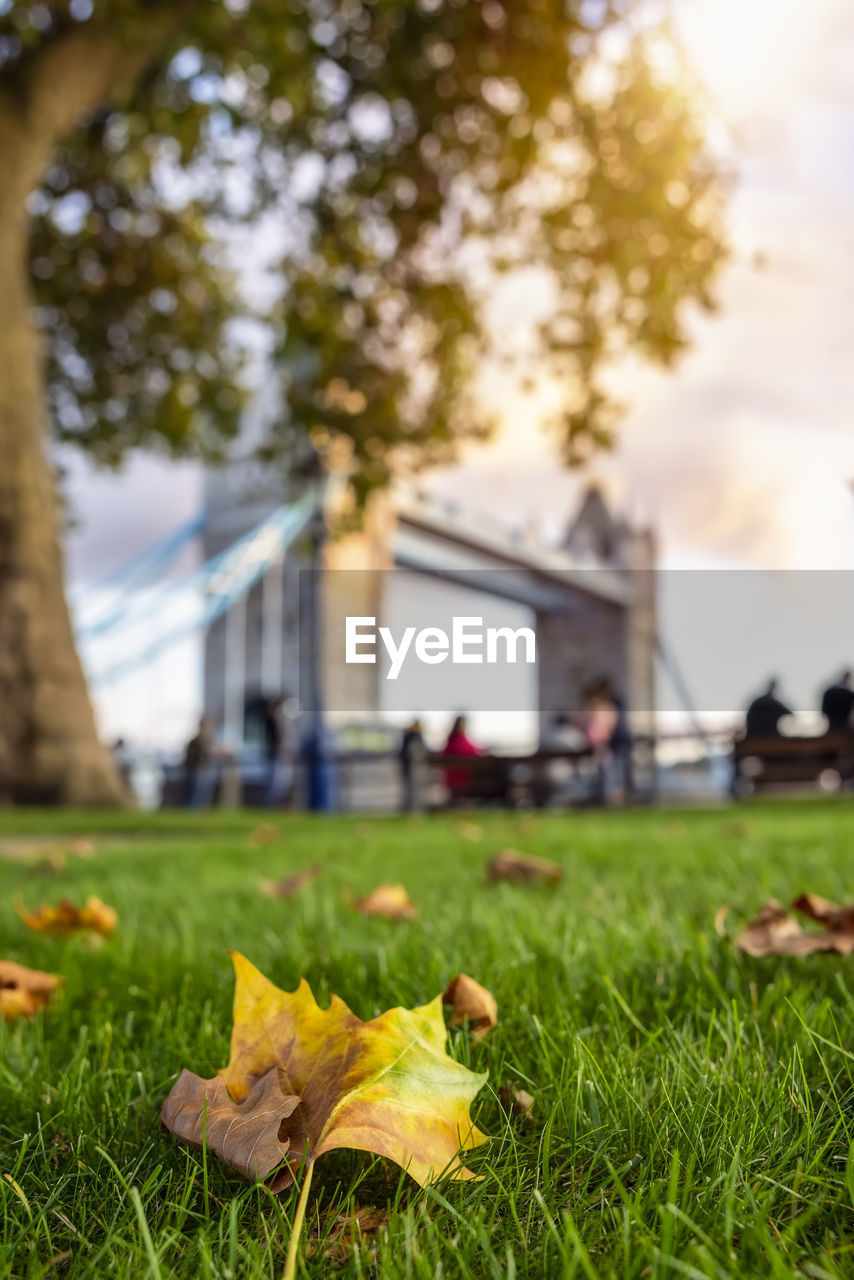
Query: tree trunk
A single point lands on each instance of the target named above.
(49, 748)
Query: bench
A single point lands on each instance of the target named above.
(507, 780)
(778, 761)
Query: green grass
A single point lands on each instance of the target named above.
(694, 1107)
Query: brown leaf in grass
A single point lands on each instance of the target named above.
(470, 831)
(773, 932)
(65, 918)
(303, 1080)
(265, 834)
(290, 886)
(522, 868)
(389, 901)
(472, 1003)
(23, 991)
(516, 1101)
(836, 919)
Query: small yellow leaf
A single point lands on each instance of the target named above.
(23, 991)
(390, 901)
(65, 918)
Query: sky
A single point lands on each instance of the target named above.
(740, 457)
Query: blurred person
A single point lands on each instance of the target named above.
(124, 762)
(599, 719)
(459, 744)
(199, 770)
(410, 755)
(620, 745)
(837, 703)
(765, 713)
(319, 756)
(278, 771)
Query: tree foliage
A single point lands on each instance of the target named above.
(349, 179)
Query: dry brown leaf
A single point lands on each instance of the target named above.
(303, 1080)
(389, 901)
(23, 991)
(65, 918)
(836, 919)
(773, 932)
(471, 1003)
(522, 868)
(290, 886)
(470, 831)
(265, 834)
(516, 1101)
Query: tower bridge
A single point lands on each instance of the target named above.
(591, 601)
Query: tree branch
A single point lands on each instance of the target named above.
(82, 67)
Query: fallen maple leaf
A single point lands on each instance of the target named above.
(522, 868)
(471, 1003)
(23, 991)
(302, 1081)
(391, 901)
(290, 886)
(65, 918)
(516, 1101)
(385, 1086)
(773, 932)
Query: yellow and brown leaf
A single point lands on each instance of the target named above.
(23, 991)
(386, 1086)
(65, 918)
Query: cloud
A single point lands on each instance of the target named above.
(117, 514)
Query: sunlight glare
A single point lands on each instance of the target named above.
(744, 51)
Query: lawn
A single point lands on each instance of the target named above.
(693, 1110)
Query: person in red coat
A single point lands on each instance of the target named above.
(459, 744)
